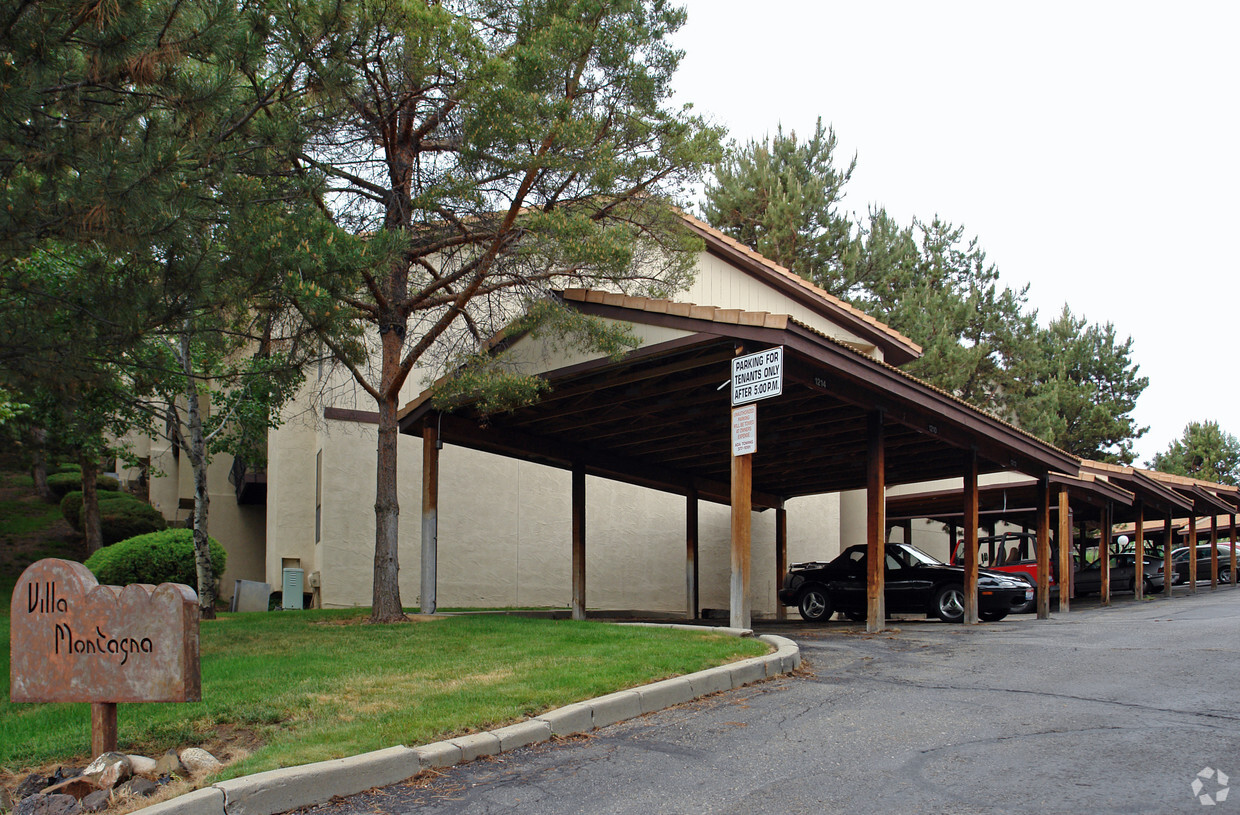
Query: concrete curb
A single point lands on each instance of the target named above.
(278, 791)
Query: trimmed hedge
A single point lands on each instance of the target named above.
(158, 557)
(64, 483)
(121, 515)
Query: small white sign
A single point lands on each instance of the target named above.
(745, 430)
(758, 376)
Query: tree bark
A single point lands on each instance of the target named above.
(91, 525)
(202, 500)
(385, 600)
(38, 465)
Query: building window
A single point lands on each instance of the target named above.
(318, 496)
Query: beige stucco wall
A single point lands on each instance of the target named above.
(721, 284)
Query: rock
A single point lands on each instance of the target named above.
(97, 801)
(30, 785)
(65, 772)
(108, 770)
(141, 765)
(138, 787)
(79, 787)
(170, 764)
(199, 761)
(48, 805)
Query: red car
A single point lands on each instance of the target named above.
(1012, 553)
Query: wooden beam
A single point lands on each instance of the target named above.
(1104, 553)
(102, 728)
(1064, 538)
(691, 555)
(970, 536)
(1192, 553)
(1231, 575)
(429, 600)
(1043, 546)
(1213, 552)
(1168, 544)
(1138, 581)
(875, 524)
(781, 557)
(579, 542)
(742, 484)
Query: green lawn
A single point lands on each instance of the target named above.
(315, 685)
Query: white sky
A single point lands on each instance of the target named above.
(1090, 146)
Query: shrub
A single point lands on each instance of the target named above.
(64, 483)
(157, 557)
(121, 515)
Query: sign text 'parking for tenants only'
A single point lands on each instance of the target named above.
(757, 376)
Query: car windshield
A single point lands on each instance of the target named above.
(916, 557)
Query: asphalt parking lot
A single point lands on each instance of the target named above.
(1103, 710)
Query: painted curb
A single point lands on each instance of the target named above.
(279, 791)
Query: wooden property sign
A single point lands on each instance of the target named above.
(73, 640)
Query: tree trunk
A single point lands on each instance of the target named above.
(198, 460)
(385, 601)
(38, 465)
(91, 525)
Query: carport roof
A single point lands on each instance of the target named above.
(1008, 500)
(659, 417)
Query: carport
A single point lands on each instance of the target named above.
(661, 418)
(1019, 502)
(1202, 499)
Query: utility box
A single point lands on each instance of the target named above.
(250, 595)
(293, 584)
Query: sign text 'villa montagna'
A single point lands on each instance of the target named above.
(73, 640)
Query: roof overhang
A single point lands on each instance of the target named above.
(659, 417)
(1011, 500)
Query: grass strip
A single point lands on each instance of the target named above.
(314, 685)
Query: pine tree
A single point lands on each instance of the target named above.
(1204, 451)
(487, 151)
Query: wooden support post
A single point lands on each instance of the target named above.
(691, 555)
(781, 556)
(875, 524)
(742, 506)
(1063, 536)
(429, 600)
(1138, 580)
(1192, 553)
(1104, 553)
(579, 542)
(1213, 551)
(1044, 549)
(102, 728)
(1231, 575)
(1168, 545)
(970, 543)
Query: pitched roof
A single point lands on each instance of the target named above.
(897, 348)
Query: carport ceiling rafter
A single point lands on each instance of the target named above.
(659, 417)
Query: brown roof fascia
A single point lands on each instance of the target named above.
(1146, 489)
(897, 348)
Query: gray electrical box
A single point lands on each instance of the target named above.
(294, 581)
(250, 595)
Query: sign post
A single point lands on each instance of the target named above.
(74, 640)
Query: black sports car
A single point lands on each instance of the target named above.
(915, 582)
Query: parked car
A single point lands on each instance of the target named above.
(915, 582)
(1179, 562)
(1088, 580)
(1013, 553)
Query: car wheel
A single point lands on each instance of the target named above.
(1150, 588)
(948, 604)
(992, 616)
(814, 604)
(1224, 575)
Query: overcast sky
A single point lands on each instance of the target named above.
(1091, 147)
